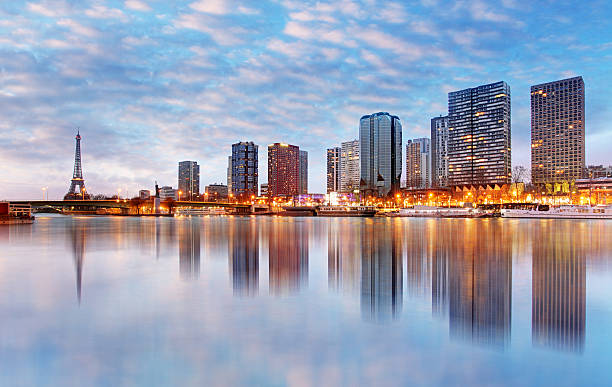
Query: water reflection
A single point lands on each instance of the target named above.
(244, 256)
(78, 234)
(288, 256)
(559, 287)
(381, 271)
(189, 248)
(343, 256)
(480, 282)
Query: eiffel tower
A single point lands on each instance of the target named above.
(77, 175)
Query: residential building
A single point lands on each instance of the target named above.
(418, 163)
(380, 139)
(229, 173)
(479, 135)
(189, 180)
(333, 169)
(167, 192)
(283, 170)
(244, 169)
(303, 189)
(349, 166)
(597, 171)
(216, 191)
(144, 194)
(439, 151)
(557, 131)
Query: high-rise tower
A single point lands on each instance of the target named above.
(77, 175)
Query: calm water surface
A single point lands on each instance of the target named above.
(305, 301)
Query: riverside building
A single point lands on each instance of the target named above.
(479, 147)
(189, 180)
(244, 170)
(439, 151)
(380, 139)
(283, 170)
(557, 132)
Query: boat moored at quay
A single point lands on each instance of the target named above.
(444, 212)
(559, 212)
(351, 211)
(13, 213)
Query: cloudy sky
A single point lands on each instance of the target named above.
(153, 82)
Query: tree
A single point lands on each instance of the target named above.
(519, 174)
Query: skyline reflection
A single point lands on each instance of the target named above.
(244, 256)
(480, 282)
(189, 248)
(381, 271)
(288, 256)
(559, 288)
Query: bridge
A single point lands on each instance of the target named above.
(123, 204)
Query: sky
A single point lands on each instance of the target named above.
(154, 82)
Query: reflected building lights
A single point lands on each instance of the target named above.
(480, 283)
(558, 288)
(343, 256)
(381, 272)
(189, 248)
(244, 256)
(288, 257)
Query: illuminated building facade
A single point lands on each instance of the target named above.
(283, 170)
(333, 169)
(244, 172)
(418, 163)
(380, 139)
(189, 180)
(303, 180)
(479, 136)
(439, 151)
(557, 131)
(349, 166)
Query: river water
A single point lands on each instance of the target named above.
(305, 301)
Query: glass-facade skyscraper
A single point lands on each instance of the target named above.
(333, 169)
(557, 131)
(303, 188)
(439, 151)
(244, 169)
(189, 180)
(349, 166)
(418, 163)
(479, 147)
(380, 139)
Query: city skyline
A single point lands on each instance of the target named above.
(104, 67)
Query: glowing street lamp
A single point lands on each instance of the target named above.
(44, 190)
(179, 193)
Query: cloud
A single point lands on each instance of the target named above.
(137, 5)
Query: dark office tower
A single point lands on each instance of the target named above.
(244, 173)
(303, 172)
(439, 151)
(479, 150)
(283, 170)
(333, 169)
(418, 163)
(244, 256)
(380, 139)
(189, 248)
(189, 180)
(558, 306)
(557, 131)
(381, 272)
(480, 283)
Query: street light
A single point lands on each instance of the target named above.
(180, 192)
(44, 189)
(118, 193)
